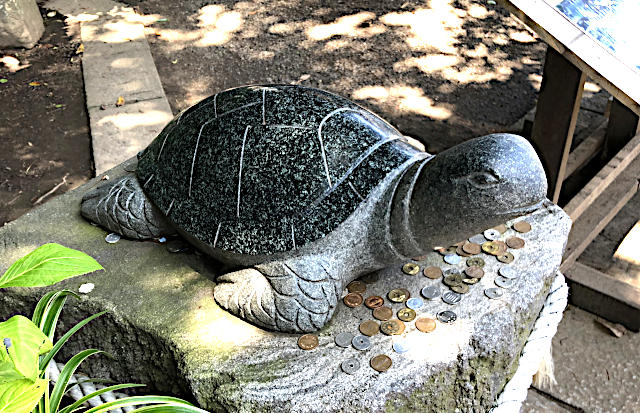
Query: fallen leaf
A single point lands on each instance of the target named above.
(58, 105)
(617, 330)
(35, 83)
(162, 20)
(174, 61)
(120, 101)
(3, 80)
(80, 48)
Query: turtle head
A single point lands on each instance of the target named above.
(473, 186)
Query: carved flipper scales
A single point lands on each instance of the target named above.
(122, 207)
(290, 296)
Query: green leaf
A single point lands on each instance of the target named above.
(61, 385)
(48, 311)
(47, 265)
(21, 396)
(22, 343)
(136, 401)
(168, 408)
(3, 80)
(70, 408)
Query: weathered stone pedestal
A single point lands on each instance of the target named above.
(165, 330)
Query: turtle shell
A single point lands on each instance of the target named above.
(265, 169)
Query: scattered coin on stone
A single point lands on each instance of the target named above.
(453, 279)
(401, 345)
(430, 292)
(447, 316)
(474, 272)
(414, 303)
(308, 342)
(357, 287)
(490, 247)
(369, 328)
(398, 295)
(392, 327)
(411, 268)
(502, 246)
(515, 243)
(381, 362)
(350, 366)
(432, 272)
(450, 271)
(406, 314)
(426, 324)
(504, 282)
(451, 297)
(352, 300)
(420, 258)
(493, 293)
(475, 262)
(112, 238)
(460, 289)
(383, 313)
(460, 252)
(472, 248)
(506, 257)
(360, 342)
(491, 234)
(522, 226)
(374, 301)
(478, 239)
(508, 272)
(452, 259)
(502, 228)
(447, 251)
(470, 280)
(343, 339)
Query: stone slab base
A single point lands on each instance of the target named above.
(165, 329)
(20, 23)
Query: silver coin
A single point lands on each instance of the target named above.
(491, 234)
(350, 366)
(112, 238)
(452, 259)
(414, 303)
(401, 346)
(504, 282)
(450, 271)
(508, 272)
(493, 293)
(446, 316)
(451, 297)
(478, 239)
(430, 292)
(361, 342)
(343, 339)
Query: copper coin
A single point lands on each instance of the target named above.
(472, 248)
(507, 258)
(411, 268)
(474, 272)
(426, 324)
(502, 228)
(453, 279)
(515, 243)
(490, 247)
(501, 245)
(470, 280)
(308, 342)
(406, 314)
(352, 300)
(381, 362)
(369, 328)
(357, 287)
(460, 289)
(433, 272)
(461, 252)
(448, 250)
(383, 313)
(374, 301)
(392, 327)
(522, 226)
(420, 258)
(399, 295)
(475, 262)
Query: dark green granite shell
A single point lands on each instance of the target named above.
(264, 169)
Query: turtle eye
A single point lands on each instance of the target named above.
(483, 179)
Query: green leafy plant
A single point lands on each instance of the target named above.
(27, 346)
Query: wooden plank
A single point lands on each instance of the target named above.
(556, 115)
(601, 181)
(623, 125)
(604, 295)
(586, 150)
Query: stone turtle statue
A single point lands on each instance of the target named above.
(304, 191)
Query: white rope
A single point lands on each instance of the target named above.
(538, 344)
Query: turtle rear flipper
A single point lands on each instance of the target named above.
(122, 207)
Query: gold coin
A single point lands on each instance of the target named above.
(453, 279)
(490, 247)
(475, 262)
(426, 324)
(469, 280)
(392, 327)
(352, 300)
(474, 272)
(383, 313)
(374, 301)
(406, 314)
(369, 328)
(522, 226)
(461, 252)
(472, 248)
(410, 268)
(507, 258)
(460, 289)
(380, 363)
(357, 287)
(515, 243)
(398, 295)
(433, 272)
(502, 228)
(308, 342)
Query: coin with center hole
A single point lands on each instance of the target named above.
(472, 248)
(374, 301)
(460, 252)
(502, 228)
(475, 262)
(502, 246)
(504, 282)
(490, 247)
(447, 316)
(352, 300)
(453, 279)
(451, 297)
(507, 257)
(447, 251)
(491, 234)
(411, 268)
(426, 324)
(381, 362)
(383, 313)
(308, 342)
(433, 272)
(360, 342)
(460, 289)
(452, 259)
(493, 293)
(469, 280)
(112, 238)
(406, 314)
(478, 239)
(522, 226)
(414, 303)
(515, 243)
(369, 328)
(450, 271)
(508, 272)
(401, 345)
(474, 272)
(357, 287)
(392, 327)
(430, 292)
(399, 295)
(343, 339)
(350, 366)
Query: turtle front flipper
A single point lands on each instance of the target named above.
(122, 207)
(289, 296)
